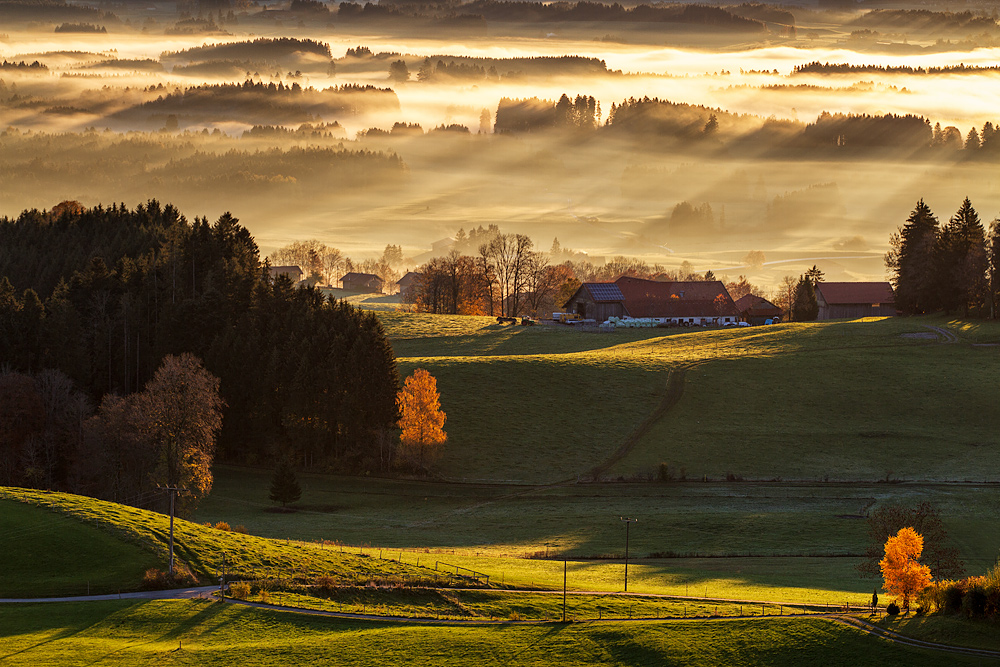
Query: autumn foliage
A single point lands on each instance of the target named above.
(904, 575)
(421, 419)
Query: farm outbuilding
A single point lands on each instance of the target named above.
(853, 300)
(404, 284)
(293, 273)
(757, 310)
(597, 301)
(361, 282)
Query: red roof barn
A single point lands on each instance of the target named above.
(756, 309)
(853, 300)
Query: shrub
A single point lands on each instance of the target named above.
(892, 609)
(974, 600)
(952, 597)
(222, 525)
(240, 529)
(325, 585)
(239, 590)
(157, 580)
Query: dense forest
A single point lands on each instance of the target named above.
(102, 295)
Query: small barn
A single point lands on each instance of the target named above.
(853, 300)
(293, 273)
(757, 310)
(361, 282)
(597, 301)
(408, 281)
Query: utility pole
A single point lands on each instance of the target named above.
(564, 590)
(173, 491)
(627, 522)
(222, 579)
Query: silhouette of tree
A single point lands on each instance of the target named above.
(399, 72)
(910, 261)
(285, 487)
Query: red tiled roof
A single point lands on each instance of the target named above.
(842, 293)
(650, 298)
(756, 304)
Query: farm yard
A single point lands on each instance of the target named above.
(749, 456)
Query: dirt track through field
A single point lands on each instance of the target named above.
(675, 389)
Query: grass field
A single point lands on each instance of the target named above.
(66, 556)
(856, 401)
(207, 633)
(132, 539)
(505, 605)
(793, 541)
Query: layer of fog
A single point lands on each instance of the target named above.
(543, 186)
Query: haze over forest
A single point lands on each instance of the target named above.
(687, 132)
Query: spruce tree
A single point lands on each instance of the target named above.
(911, 262)
(805, 308)
(284, 487)
(961, 260)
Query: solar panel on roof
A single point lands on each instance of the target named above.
(605, 292)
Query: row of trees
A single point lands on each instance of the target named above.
(954, 267)
(300, 375)
(327, 265)
(505, 275)
(52, 437)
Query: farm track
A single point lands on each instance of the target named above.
(948, 336)
(896, 638)
(674, 392)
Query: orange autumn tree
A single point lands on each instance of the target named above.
(904, 575)
(421, 419)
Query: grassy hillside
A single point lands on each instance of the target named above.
(141, 538)
(858, 401)
(48, 554)
(206, 633)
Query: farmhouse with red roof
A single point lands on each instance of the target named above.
(677, 302)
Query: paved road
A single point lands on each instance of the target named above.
(174, 594)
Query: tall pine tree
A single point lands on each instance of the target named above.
(911, 262)
(805, 308)
(961, 261)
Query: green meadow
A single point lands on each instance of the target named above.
(751, 486)
(830, 401)
(207, 633)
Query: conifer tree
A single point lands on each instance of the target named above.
(910, 261)
(805, 308)
(961, 261)
(285, 487)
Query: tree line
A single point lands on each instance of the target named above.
(488, 272)
(695, 126)
(104, 295)
(536, 12)
(953, 267)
